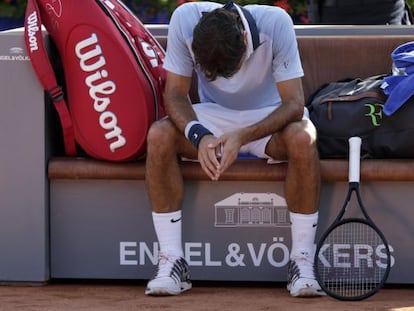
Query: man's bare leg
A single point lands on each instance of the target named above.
(297, 144)
(166, 187)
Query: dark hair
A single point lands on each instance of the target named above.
(218, 43)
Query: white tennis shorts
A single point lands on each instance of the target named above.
(220, 120)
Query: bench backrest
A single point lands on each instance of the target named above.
(330, 58)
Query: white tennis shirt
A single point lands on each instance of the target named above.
(253, 86)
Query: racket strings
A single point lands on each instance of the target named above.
(352, 260)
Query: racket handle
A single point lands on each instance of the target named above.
(354, 159)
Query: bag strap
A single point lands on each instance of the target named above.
(44, 71)
(141, 42)
(126, 23)
(253, 28)
(250, 20)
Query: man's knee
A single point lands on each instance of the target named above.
(300, 138)
(160, 135)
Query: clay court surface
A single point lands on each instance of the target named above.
(105, 296)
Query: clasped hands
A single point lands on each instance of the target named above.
(217, 154)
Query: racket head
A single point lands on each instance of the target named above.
(352, 260)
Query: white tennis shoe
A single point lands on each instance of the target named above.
(172, 277)
(301, 278)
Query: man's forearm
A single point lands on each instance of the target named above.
(179, 110)
(273, 123)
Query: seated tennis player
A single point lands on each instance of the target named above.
(251, 101)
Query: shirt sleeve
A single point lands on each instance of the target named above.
(178, 56)
(286, 63)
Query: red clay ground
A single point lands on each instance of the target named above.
(207, 297)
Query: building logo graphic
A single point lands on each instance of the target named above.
(252, 210)
(16, 50)
(13, 54)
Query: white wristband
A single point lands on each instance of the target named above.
(188, 126)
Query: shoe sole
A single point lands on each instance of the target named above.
(162, 291)
(308, 292)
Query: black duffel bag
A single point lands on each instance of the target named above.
(354, 107)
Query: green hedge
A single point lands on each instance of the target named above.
(296, 8)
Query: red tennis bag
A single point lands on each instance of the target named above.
(113, 75)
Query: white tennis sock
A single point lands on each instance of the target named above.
(303, 227)
(168, 229)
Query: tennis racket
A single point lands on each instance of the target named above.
(352, 259)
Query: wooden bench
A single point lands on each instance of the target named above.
(100, 224)
(242, 170)
(325, 58)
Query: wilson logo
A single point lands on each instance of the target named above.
(32, 29)
(150, 53)
(101, 88)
